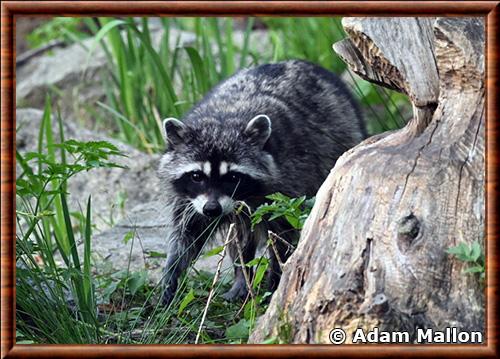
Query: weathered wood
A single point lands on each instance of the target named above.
(373, 251)
(400, 62)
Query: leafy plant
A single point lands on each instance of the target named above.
(55, 295)
(295, 210)
(473, 255)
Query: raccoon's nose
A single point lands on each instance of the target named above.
(212, 209)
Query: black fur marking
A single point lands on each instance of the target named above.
(187, 187)
(270, 70)
(239, 189)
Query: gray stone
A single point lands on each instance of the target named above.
(76, 76)
(74, 73)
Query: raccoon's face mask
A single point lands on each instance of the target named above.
(215, 181)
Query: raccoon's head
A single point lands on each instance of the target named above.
(213, 164)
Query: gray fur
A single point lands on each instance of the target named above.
(304, 118)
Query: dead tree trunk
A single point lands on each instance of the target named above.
(373, 251)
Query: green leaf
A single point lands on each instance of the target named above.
(465, 253)
(257, 261)
(70, 242)
(294, 221)
(100, 35)
(259, 274)
(198, 69)
(128, 236)
(475, 251)
(87, 283)
(213, 252)
(154, 254)
(185, 301)
(272, 340)
(278, 197)
(238, 330)
(25, 342)
(136, 281)
(460, 250)
(109, 290)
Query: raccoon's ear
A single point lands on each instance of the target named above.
(258, 130)
(174, 130)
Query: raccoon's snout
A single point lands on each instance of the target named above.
(212, 209)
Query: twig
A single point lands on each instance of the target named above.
(243, 269)
(272, 237)
(271, 233)
(28, 55)
(216, 278)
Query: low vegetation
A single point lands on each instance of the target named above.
(473, 255)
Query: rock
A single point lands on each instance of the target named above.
(64, 70)
(138, 181)
(76, 75)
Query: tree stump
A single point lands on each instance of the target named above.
(373, 251)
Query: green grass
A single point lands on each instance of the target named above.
(45, 227)
(150, 81)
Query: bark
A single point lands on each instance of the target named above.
(373, 251)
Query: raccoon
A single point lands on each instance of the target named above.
(272, 128)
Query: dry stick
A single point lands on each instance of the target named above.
(271, 233)
(240, 255)
(271, 236)
(216, 278)
(243, 269)
(248, 295)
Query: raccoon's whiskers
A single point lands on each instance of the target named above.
(187, 214)
(180, 203)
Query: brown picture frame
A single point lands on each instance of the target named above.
(11, 9)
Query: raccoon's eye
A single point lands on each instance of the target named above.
(196, 177)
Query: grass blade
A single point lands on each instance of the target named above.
(198, 70)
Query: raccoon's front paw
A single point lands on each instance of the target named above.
(238, 291)
(167, 297)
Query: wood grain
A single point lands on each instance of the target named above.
(492, 168)
(257, 8)
(10, 9)
(7, 134)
